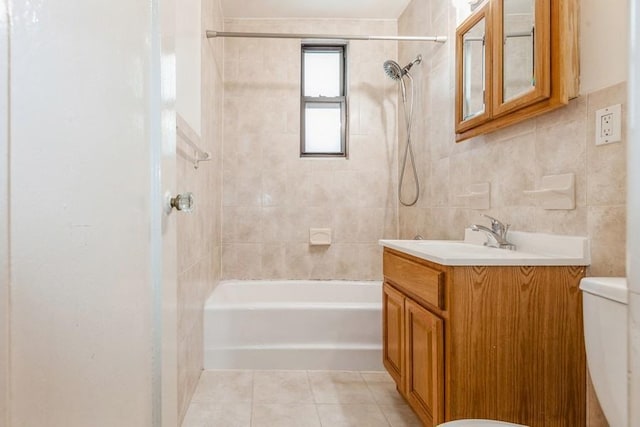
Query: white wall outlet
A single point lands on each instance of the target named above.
(609, 125)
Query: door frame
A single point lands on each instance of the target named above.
(633, 212)
(4, 217)
(163, 228)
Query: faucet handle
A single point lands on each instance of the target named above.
(493, 220)
(497, 226)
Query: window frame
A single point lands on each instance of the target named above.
(342, 99)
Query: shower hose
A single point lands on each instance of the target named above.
(408, 150)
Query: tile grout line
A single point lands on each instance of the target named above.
(252, 397)
(313, 395)
(374, 399)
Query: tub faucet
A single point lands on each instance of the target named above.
(496, 235)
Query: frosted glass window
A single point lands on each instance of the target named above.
(323, 109)
(322, 71)
(323, 128)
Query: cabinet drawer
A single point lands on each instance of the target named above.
(418, 280)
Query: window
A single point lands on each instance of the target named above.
(323, 109)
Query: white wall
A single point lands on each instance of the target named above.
(4, 216)
(188, 60)
(84, 119)
(603, 43)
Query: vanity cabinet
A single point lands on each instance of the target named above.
(515, 59)
(495, 342)
(414, 353)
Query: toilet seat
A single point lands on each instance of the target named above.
(479, 423)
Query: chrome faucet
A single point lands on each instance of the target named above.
(496, 235)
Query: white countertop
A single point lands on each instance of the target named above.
(533, 249)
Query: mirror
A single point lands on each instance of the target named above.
(519, 46)
(515, 59)
(474, 68)
(522, 54)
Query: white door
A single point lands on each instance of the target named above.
(164, 222)
(92, 251)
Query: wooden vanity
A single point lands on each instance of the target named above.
(495, 342)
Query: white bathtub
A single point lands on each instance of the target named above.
(294, 325)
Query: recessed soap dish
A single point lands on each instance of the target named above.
(319, 236)
(557, 192)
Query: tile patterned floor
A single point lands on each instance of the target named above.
(297, 399)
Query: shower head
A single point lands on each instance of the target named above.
(393, 70)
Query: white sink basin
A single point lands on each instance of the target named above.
(462, 249)
(533, 249)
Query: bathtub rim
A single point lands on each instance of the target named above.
(212, 302)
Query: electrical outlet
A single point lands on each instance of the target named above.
(609, 125)
(606, 123)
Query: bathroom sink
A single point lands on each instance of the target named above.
(532, 249)
(462, 249)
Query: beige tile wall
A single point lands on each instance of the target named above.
(272, 196)
(513, 159)
(199, 233)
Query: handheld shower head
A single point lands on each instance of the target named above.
(395, 72)
(411, 64)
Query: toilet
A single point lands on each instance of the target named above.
(605, 302)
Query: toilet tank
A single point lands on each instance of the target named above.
(605, 302)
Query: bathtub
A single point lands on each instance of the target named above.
(294, 324)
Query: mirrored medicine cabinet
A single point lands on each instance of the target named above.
(515, 59)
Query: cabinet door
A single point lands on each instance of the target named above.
(522, 52)
(393, 333)
(473, 76)
(424, 383)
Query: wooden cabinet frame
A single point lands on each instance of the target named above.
(557, 68)
(541, 59)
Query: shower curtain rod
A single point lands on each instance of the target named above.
(214, 34)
